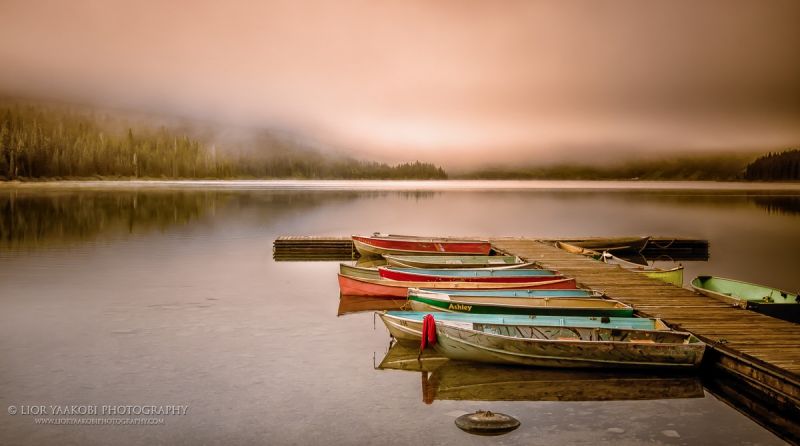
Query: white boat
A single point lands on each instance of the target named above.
(568, 347)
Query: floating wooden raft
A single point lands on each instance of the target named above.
(298, 248)
(313, 248)
(754, 360)
(676, 248)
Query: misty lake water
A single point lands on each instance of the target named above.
(168, 295)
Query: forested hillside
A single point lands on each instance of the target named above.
(783, 166)
(43, 142)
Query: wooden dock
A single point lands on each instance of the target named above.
(304, 248)
(752, 363)
(754, 360)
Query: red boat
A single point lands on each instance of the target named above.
(394, 274)
(407, 245)
(356, 286)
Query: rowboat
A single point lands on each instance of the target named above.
(407, 325)
(453, 261)
(673, 276)
(518, 293)
(561, 306)
(383, 245)
(371, 272)
(574, 249)
(469, 275)
(355, 286)
(770, 301)
(568, 346)
(610, 244)
(358, 271)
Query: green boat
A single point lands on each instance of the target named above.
(769, 301)
(518, 293)
(672, 276)
(557, 306)
(454, 261)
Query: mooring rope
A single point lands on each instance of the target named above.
(658, 245)
(662, 257)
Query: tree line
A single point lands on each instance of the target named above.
(701, 167)
(784, 166)
(39, 142)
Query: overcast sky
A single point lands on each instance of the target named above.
(430, 79)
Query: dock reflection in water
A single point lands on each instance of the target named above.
(455, 380)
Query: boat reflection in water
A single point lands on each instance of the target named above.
(356, 304)
(443, 379)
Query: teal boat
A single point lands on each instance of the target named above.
(562, 306)
(769, 301)
(454, 261)
(517, 293)
(407, 325)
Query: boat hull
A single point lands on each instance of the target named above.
(454, 261)
(407, 326)
(765, 300)
(359, 271)
(514, 293)
(574, 249)
(502, 276)
(471, 345)
(672, 276)
(354, 286)
(611, 244)
(563, 306)
(375, 246)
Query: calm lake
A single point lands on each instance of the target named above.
(167, 294)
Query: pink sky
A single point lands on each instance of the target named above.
(446, 81)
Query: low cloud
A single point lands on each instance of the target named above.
(452, 82)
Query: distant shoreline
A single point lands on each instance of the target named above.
(398, 185)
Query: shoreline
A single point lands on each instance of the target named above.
(402, 185)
